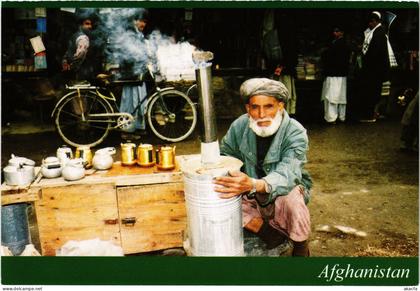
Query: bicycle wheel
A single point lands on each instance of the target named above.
(171, 116)
(71, 126)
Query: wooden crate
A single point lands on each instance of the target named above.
(77, 212)
(101, 205)
(152, 217)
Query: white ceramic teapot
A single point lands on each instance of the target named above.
(74, 170)
(20, 171)
(64, 154)
(102, 160)
(51, 167)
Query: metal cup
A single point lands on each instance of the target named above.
(165, 157)
(145, 155)
(127, 154)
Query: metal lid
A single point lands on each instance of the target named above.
(50, 160)
(145, 146)
(128, 145)
(20, 161)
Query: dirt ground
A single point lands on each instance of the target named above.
(361, 180)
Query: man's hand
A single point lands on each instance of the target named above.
(234, 185)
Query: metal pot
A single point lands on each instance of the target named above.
(64, 154)
(102, 160)
(51, 167)
(19, 172)
(20, 161)
(74, 170)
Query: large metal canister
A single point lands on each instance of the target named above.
(214, 223)
(14, 227)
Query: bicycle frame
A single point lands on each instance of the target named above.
(170, 114)
(111, 100)
(77, 89)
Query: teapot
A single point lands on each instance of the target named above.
(74, 170)
(84, 153)
(51, 167)
(102, 160)
(165, 157)
(20, 161)
(20, 171)
(64, 154)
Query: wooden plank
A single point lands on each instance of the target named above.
(20, 196)
(6, 188)
(124, 176)
(76, 212)
(160, 216)
(119, 170)
(130, 176)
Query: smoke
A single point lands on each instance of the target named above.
(135, 53)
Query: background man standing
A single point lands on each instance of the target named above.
(80, 59)
(375, 66)
(281, 50)
(133, 95)
(273, 148)
(336, 66)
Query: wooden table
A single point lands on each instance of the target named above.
(140, 209)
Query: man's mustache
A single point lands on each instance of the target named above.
(263, 119)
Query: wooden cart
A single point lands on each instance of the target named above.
(140, 209)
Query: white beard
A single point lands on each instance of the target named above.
(265, 131)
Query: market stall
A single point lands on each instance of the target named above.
(140, 209)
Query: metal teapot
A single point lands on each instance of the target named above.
(64, 154)
(84, 153)
(51, 167)
(74, 170)
(19, 172)
(102, 160)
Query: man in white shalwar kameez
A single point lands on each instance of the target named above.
(334, 89)
(334, 95)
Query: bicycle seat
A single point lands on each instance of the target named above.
(104, 78)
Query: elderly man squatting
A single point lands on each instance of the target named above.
(274, 185)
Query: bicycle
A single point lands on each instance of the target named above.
(85, 115)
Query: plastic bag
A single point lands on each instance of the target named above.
(93, 247)
(30, 251)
